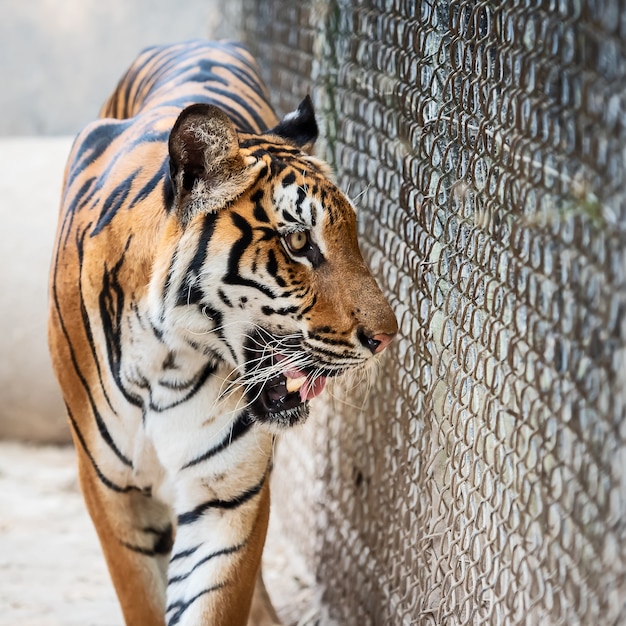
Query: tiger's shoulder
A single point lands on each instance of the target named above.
(119, 168)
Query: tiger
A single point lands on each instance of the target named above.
(206, 282)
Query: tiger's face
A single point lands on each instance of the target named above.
(272, 281)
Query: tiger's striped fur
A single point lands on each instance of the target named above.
(206, 281)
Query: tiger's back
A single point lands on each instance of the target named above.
(121, 160)
(206, 282)
(173, 77)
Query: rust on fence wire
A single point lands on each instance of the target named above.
(481, 478)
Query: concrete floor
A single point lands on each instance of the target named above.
(52, 572)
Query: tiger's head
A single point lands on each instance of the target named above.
(264, 268)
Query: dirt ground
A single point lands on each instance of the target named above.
(52, 572)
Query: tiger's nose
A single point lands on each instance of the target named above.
(375, 343)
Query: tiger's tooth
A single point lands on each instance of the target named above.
(294, 384)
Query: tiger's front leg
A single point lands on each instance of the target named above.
(216, 557)
(215, 478)
(214, 562)
(135, 534)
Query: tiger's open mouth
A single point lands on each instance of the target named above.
(283, 397)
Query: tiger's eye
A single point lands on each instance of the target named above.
(298, 242)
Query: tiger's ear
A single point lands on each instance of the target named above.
(299, 127)
(207, 167)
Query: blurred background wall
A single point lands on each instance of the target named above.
(59, 61)
(62, 58)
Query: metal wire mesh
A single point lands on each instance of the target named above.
(482, 480)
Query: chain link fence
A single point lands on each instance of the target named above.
(482, 479)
